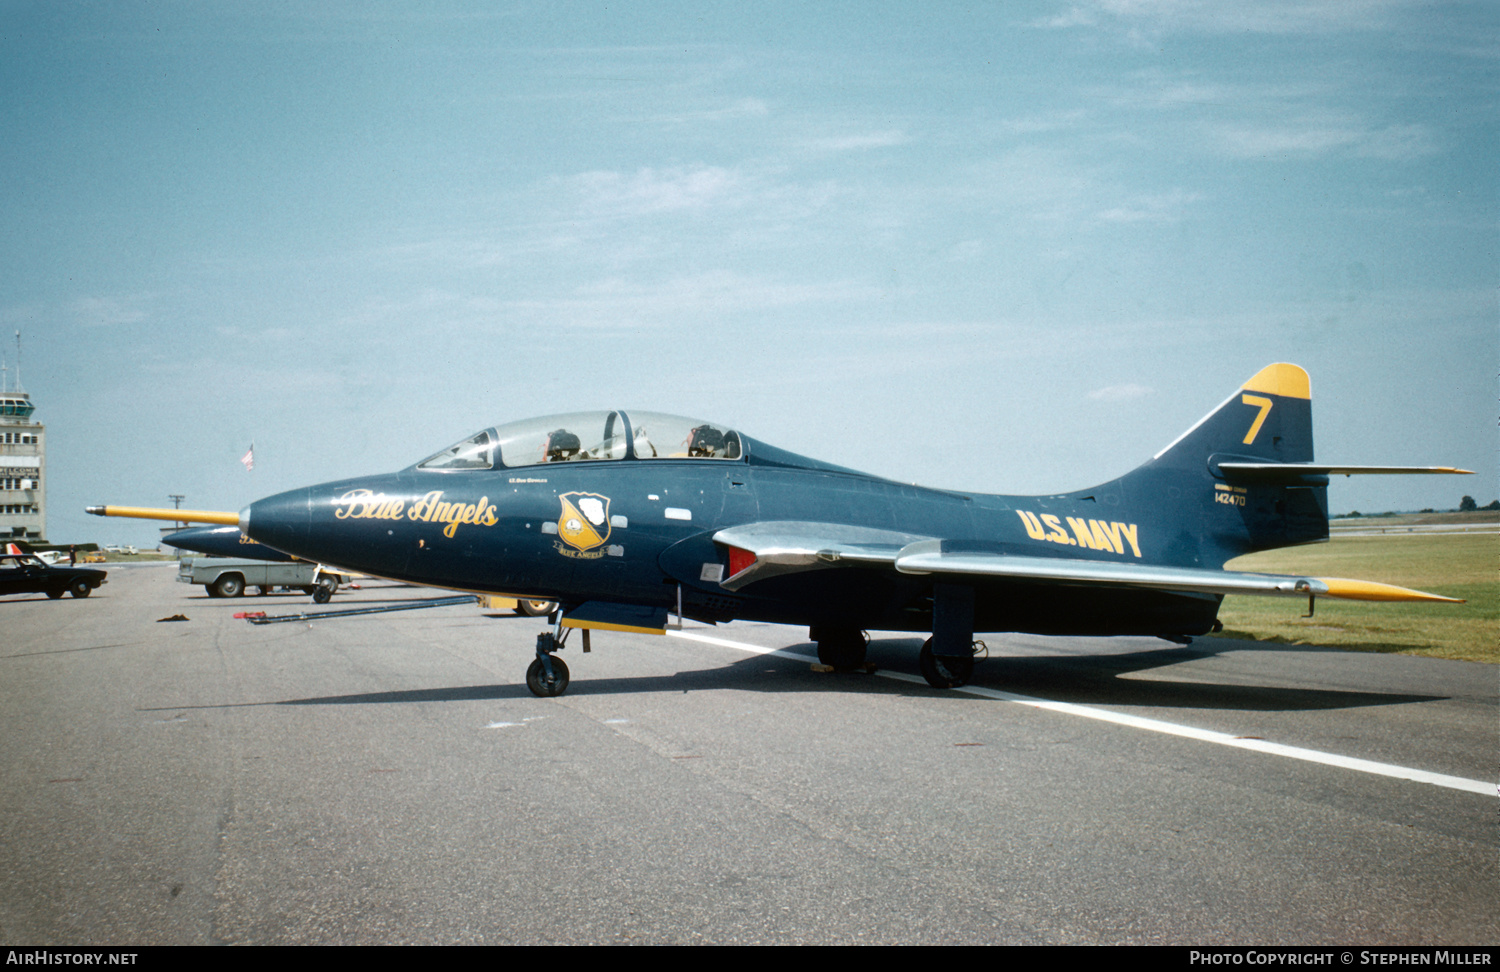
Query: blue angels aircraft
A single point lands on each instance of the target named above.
(223, 541)
(215, 541)
(630, 518)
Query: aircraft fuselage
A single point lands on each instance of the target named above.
(509, 530)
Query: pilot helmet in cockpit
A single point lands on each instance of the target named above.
(706, 442)
(562, 445)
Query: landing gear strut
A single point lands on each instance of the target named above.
(947, 658)
(547, 676)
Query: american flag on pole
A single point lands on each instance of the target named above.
(249, 458)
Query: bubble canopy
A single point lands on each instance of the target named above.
(588, 437)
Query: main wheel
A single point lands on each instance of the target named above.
(56, 593)
(842, 648)
(536, 678)
(230, 585)
(81, 588)
(944, 671)
(534, 608)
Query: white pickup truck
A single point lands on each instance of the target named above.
(226, 577)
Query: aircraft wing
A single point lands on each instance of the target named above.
(761, 550)
(928, 557)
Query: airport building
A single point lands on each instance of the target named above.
(23, 470)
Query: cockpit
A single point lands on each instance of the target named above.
(589, 437)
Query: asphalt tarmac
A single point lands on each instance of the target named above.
(389, 779)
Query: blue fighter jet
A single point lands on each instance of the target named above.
(224, 541)
(632, 519)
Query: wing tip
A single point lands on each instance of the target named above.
(1361, 590)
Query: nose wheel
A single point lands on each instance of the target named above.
(547, 675)
(547, 684)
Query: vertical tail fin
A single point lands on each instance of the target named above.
(1269, 418)
(1217, 515)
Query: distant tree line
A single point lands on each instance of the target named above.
(1465, 505)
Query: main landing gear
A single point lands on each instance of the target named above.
(944, 671)
(842, 649)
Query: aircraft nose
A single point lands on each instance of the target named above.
(280, 521)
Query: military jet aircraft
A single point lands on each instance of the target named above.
(632, 518)
(223, 541)
(228, 541)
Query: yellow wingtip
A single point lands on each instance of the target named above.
(1359, 590)
(1286, 380)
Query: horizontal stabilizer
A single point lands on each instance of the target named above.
(178, 516)
(928, 557)
(1297, 473)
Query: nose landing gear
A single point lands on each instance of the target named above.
(547, 676)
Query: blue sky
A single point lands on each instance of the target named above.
(1002, 247)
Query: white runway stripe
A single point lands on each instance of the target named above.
(1154, 725)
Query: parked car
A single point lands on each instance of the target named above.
(229, 577)
(27, 574)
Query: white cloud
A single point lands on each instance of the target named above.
(649, 190)
(1313, 136)
(966, 251)
(1397, 142)
(1121, 393)
(623, 303)
(715, 291)
(1042, 184)
(1217, 17)
(1155, 208)
(1033, 124)
(109, 311)
(736, 111)
(1072, 17)
(854, 143)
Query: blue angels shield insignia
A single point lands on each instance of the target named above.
(584, 522)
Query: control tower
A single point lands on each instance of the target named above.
(23, 464)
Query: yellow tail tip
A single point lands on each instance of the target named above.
(1286, 380)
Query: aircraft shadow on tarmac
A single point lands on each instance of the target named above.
(1085, 679)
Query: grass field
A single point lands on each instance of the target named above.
(1457, 565)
